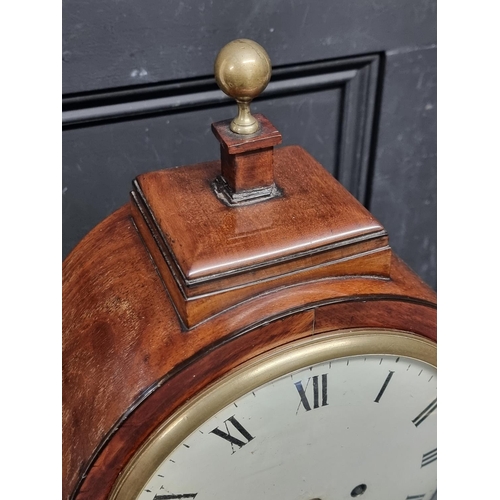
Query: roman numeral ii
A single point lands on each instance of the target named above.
(425, 413)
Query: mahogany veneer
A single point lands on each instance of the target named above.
(212, 256)
(128, 363)
(176, 288)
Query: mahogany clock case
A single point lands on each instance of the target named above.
(359, 96)
(133, 354)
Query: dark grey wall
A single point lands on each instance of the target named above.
(404, 186)
(353, 82)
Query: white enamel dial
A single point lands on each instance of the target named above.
(359, 426)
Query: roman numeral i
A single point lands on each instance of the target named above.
(384, 387)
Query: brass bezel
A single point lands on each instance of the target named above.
(251, 375)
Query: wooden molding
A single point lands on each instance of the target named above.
(211, 256)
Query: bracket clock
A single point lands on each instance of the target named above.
(242, 329)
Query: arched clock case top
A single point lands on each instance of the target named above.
(165, 381)
(207, 268)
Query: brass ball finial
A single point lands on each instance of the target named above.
(242, 71)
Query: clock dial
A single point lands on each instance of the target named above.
(348, 426)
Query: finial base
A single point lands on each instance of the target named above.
(245, 123)
(245, 128)
(224, 192)
(246, 163)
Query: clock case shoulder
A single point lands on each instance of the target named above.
(212, 255)
(176, 288)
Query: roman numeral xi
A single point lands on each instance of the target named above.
(234, 441)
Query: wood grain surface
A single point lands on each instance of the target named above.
(212, 256)
(247, 280)
(122, 341)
